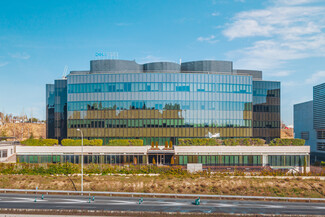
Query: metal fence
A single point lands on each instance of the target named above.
(133, 194)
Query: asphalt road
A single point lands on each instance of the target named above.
(62, 202)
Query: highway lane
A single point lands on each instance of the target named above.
(62, 202)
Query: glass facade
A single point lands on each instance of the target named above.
(318, 106)
(141, 159)
(50, 103)
(162, 107)
(266, 110)
(221, 160)
(288, 160)
(120, 99)
(56, 109)
(96, 159)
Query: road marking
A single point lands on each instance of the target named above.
(73, 201)
(122, 202)
(23, 200)
(224, 205)
(271, 206)
(163, 203)
(319, 207)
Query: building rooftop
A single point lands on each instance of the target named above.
(201, 66)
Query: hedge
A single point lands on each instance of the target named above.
(86, 142)
(40, 142)
(287, 142)
(244, 142)
(69, 168)
(125, 142)
(217, 142)
(199, 142)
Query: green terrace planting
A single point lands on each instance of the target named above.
(40, 142)
(126, 142)
(240, 142)
(181, 142)
(86, 142)
(287, 142)
(244, 142)
(199, 142)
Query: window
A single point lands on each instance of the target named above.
(321, 134)
(305, 135)
(321, 146)
(3, 153)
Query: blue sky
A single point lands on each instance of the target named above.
(283, 38)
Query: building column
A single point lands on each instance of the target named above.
(264, 160)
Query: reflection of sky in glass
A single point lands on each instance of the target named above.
(207, 99)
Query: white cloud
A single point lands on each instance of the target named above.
(214, 14)
(245, 28)
(286, 30)
(281, 73)
(151, 58)
(3, 64)
(293, 2)
(277, 21)
(210, 39)
(289, 83)
(23, 56)
(318, 77)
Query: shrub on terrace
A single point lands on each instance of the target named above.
(126, 142)
(287, 142)
(86, 142)
(244, 142)
(40, 142)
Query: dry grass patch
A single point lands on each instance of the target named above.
(169, 184)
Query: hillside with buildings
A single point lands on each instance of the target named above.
(23, 131)
(287, 133)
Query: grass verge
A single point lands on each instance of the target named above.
(217, 185)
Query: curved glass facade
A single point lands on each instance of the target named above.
(120, 102)
(159, 106)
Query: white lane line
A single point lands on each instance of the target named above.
(165, 203)
(319, 207)
(72, 201)
(122, 202)
(271, 206)
(224, 205)
(23, 200)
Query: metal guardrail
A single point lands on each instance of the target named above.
(162, 195)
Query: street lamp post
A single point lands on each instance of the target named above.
(82, 159)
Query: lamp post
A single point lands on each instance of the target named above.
(82, 159)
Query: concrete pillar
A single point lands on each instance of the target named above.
(264, 160)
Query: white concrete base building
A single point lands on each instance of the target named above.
(214, 157)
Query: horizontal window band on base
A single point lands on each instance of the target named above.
(205, 160)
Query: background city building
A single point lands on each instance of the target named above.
(56, 109)
(164, 101)
(309, 123)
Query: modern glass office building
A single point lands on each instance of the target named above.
(309, 123)
(266, 109)
(164, 101)
(56, 109)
